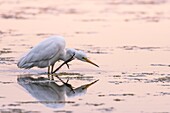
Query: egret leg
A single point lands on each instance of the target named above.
(48, 72)
(64, 63)
(66, 83)
(52, 67)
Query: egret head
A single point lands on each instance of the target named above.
(80, 55)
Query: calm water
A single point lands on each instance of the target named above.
(128, 39)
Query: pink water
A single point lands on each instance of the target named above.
(128, 39)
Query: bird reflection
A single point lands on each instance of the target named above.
(49, 92)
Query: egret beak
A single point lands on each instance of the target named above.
(88, 85)
(87, 60)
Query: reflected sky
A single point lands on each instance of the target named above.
(128, 39)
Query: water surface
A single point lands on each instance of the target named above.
(128, 39)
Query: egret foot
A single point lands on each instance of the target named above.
(66, 62)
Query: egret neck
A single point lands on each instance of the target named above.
(67, 54)
(80, 55)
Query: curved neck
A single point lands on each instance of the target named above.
(68, 53)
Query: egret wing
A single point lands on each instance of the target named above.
(44, 51)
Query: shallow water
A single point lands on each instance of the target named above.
(128, 39)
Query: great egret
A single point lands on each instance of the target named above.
(48, 52)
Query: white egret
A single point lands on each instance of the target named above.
(48, 52)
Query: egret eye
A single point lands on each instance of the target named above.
(84, 58)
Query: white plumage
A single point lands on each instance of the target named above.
(44, 54)
(49, 51)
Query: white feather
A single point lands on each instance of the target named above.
(44, 54)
